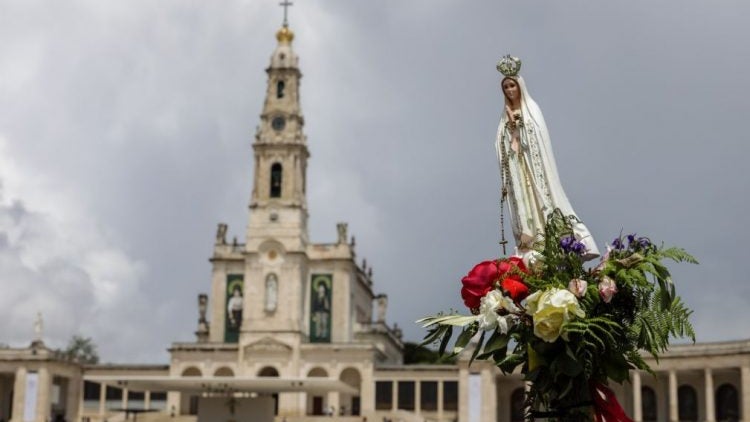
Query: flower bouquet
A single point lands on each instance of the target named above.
(571, 329)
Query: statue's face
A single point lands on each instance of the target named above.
(511, 89)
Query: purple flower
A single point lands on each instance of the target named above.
(578, 248)
(644, 243)
(617, 244)
(631, 238)
(567, 242)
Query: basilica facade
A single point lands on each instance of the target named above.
(281, 305)
(293, 330)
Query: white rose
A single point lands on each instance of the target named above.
(502, 325)
(508, 304)
(505, 322)
(488, 306)
(488, 316)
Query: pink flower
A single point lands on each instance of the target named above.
(607, 289)
(578, 287)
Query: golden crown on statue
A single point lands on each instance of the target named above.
(509, 65)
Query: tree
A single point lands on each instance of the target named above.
(416, 354)
(81, 349)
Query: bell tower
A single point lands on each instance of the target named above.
(278, 204)
(280, 301)
(275, 255)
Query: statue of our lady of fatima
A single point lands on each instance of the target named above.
(531, 185)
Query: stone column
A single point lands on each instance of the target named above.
(147, 400)
(290, 403)
(19, 394)
(417, 396)
(440, 396)
(81, 408)
(745, 393)
(394, 395)
(489, 395)
(637, 405)
(124, 398)
(334, 402)
(709, 392)
(463, 395)
(673, 409)
(45, 387)
(73, 398)
(102, 399)
(367, 391)
(5, 390)
(173, 402)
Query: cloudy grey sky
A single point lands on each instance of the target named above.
(126, 130)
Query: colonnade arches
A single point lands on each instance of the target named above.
(727, 403)
(7, 383)
(687, 403)
(189, 403)
(317, 404)
(649, 404)
(192, 371)
(518, 405)
(350, 404)
(270, 371)
(224, 372)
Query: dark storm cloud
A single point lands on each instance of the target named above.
(130, 125)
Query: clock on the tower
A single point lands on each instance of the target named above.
(278, 123)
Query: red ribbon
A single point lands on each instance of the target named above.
(606, 406)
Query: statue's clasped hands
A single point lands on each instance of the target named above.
(514, 119)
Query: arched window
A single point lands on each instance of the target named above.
(351, 403)
(687, 403)
(276, 180)
(192, 372)
(317, 372)
(268, 371)
(648, 404)
(316, 403)
(271, 372)
(517, 405)
(224, 372)
(280, 89)
(727, 404)
(189, 403)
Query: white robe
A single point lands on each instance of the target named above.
(533, 185)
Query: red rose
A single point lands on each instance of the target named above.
(479, 282)
(482, 278)
(516, 289)
(513, 263)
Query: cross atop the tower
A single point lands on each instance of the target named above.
(286, 4)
